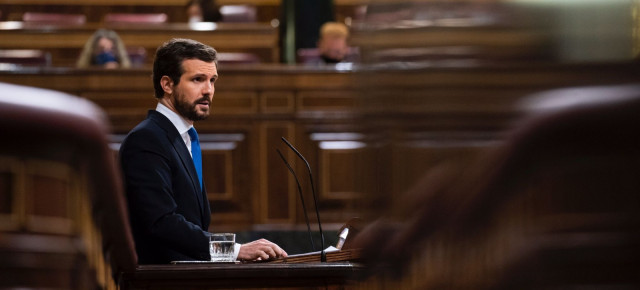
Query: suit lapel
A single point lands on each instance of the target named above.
(178, 145)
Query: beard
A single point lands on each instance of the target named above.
(190, 110)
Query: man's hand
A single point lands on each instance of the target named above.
(260, 250)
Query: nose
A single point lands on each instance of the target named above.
(208, 88)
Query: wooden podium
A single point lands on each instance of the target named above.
(249, 275)
(303, 270)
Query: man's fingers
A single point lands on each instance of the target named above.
(281, 252)
(263, 255)
(262, 249)
(270, 252)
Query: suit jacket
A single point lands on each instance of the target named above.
(168, 210)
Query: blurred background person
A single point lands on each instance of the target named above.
(203, 11)
(333, 45)
(104, 49)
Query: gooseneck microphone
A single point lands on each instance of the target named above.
(304, 208)
(323, 255)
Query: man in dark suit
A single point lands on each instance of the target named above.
(161, 162)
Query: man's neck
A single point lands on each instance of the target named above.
(167, 103)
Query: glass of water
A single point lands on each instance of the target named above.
(221, 247)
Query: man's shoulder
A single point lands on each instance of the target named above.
(147, 131)
(153, 124)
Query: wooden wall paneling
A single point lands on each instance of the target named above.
(376, 184)
(277, 102)
(339, 174)
(235, 103)
(50, 197)
(396, 110)
(218, 160)
(125, 109)
(338, 166)
(227, 165)
(277, 202)
(413, 156)
(331, 143)
(327, 101)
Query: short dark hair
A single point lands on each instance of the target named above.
(169, 57)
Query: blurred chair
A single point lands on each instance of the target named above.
(57, 18)
(566, 193)
(238, 13)
(137, 55)
(26, 57)
(151, 18)
(556, 206)
(312, 55)
(74, 231)
(237, 58)
(307, 55)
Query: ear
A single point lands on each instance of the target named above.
(167, 85)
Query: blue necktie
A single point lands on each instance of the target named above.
(195, 153)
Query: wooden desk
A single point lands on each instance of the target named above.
(66, 41)
(214, 276)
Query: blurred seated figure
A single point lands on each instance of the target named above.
(104, 49)
(203, 11)
(332, 46)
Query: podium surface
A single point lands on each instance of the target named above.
(249, 275)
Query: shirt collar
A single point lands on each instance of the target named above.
(178, 121)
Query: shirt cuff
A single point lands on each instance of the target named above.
(236, 251)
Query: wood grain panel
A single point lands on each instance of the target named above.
(227, 172)
(220, 184)
(326, 100)
(273, 102)
(339, 178)
(235, 102)
(218, 152)
(277, 202)
(50, 198)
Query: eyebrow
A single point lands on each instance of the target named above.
(204, 75)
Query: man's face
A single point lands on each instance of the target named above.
(333, 47)
(193, 95)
